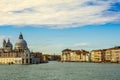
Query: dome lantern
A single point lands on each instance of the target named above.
(20, 36)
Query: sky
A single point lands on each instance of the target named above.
(49, 26)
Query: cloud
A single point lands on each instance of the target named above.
(58, 13)
(81, 44)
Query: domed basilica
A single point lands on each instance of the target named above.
(20, 54)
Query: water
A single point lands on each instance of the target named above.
(61, 71)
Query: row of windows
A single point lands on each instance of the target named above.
(10, 55)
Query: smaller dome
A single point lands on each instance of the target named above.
(8, 44)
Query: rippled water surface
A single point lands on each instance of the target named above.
(61, 71)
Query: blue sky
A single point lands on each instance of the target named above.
(50, 27)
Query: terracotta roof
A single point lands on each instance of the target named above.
(114, 48)
(66, 50)
(99, 50)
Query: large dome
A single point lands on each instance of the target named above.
(21, 43)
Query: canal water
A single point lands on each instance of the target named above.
(61, 71)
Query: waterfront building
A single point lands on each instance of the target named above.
(113, 54)
(106, 55)
(98, 55)
(75, 55)
(66, 55)
(19, 55)
(36, 57)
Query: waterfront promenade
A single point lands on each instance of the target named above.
(61, 71)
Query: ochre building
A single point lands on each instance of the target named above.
(75, 55)
(106, 55)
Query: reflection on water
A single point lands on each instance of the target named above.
(61, 71)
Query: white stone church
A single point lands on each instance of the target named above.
(20, 54)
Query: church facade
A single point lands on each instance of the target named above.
(20, 54)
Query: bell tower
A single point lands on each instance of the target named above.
(4, 43)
